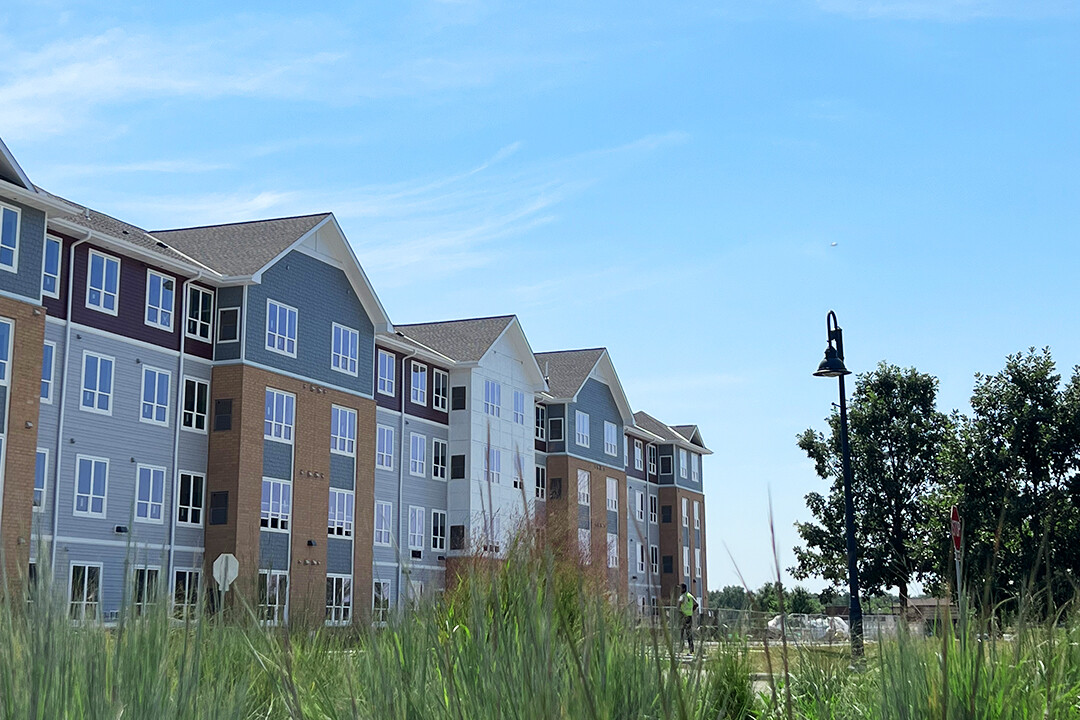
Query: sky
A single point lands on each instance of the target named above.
(691, 185)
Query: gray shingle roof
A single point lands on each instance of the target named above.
(462, 340)
(567, 370)
(240, 248)
(687, 431)
(648, 422)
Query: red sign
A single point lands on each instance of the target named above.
(956, 529)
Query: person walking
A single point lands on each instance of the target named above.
(687, 604)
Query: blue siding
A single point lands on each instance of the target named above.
(339, 556)
(277, 460)
(229, 297)
(342, 471)
(322, 296)
(596, 400)
(273, 550)
(27, 280)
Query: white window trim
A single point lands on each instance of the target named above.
(584, 497)
(282, 617)
(639, 455)
(287, 518)
(611, 448)
(697, 515)
(75, 490)
(612, 550)
(413, 437)
(192, 585)
(347, 525)
(380, 614)
(195, 412)
(168, 397)
(540, 429)
(45, 479)
(519, 415)
(683, 462)
(203, 509)
(105, 258)
(266, 332)
(146, 305)
(446, 458)
(221, 310)
(650, 455)
(686, 561)
(14, 267)
(414, 391)
(685, 513)
(292, 435)
(642, 560)
(71, 582)
(697, 563)
(654, 509)
(422, 514)
(346, 356)
(48, 400)
(493, 406)
(445, 529)
(654, 559)
(392, 380)
(187, 314)
(440, 402)
(112, 384)
(695, 467)
(578, 435)
(375, 524)
(355, 418)
(164, 496)
(639, 499)
(340, 608)
(613, 494)
(390, 450)
(540, 488)
(59, 265)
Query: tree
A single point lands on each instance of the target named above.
(732, 597)
(801, 600)
(899, 441)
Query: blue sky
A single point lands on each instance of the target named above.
(663, 179)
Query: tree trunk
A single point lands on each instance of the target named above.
(902, 585)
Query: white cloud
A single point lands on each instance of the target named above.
(950, 10)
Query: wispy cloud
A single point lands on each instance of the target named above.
(950, 10)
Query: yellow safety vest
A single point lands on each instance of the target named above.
(686, 604)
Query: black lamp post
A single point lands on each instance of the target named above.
(833, 366)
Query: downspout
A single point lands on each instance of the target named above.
(401, 471)
(63, 401)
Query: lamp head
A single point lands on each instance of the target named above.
(832, 365)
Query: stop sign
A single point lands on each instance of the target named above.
(956, 529)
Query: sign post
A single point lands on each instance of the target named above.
(226, 569)
(956, 543)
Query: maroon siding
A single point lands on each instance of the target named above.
(631, 471)
(390, 402)
(653, 477)
(57, 307)
(424, 411)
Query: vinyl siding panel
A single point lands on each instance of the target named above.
(339, 556)
(273, 550)
(342, 472)
(596, 400)
(277, 460)
(26, 281)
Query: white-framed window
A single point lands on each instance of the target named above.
(41, 471)
(541, 482)
(280, 415)
(274, 596)
(665, 465)
(639, 498)
(380, 600)
(583, 492)
(189, 506)
(84, 585)
(686, 561)
(160, 300)
(155, 396)
(438, 530)
(584, 541)
(338, 599)
(440, 389)
(697, 562)
(612, 494)
(9, 237)
(97, 382)
(416, 528)
(144, 588)
(342, 430)
(581, 428)
(417, 454)
(387, 365)
(611, 438)
(6, 332)
(640, 558)
(493, 465)
(418, 383)
(555, 429)
(276, 509)
(695, 467)
(91, 485)
(519, 407)
(612, 550)
(384, 447)
(339, 519)
(685, 513)
(438, 458)
(281, 322)
(228, 325)
(541, 423)
(102, 282)
(492, 398)
(625, 451)
(652, 459)
(200, 313)
(697, 515)
(345, 350)
(653, 505)
(639, 463)
(48, 370)
(384, 522)
(654, 559)
(50, 270)
(196, 403)
(682, 463)
(150, 494)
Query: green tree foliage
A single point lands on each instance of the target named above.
(732, 597)
(899, 445)
(801, 600)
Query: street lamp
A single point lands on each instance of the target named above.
(833, 366)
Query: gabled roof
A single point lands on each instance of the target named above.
(567, 370)
(668, 433)
(461, 340)
(240, 249)
(690, 432)
(11, 171)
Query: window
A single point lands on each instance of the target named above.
(145, 589)
(555, 429)
(581, 428)
(102, 282)
(342, 430)
(625, 451)
(612, 550)
(219, 508)
(384, 447)
(150, 494)
(541, 483)
(640, 558)
(387, 363)
(344, 349)
(339, 520)
(697, 562)
(583, 487)
(639, 497)
(418, 383)
(438, 459)
(440, 389)
(685, 513)
(196, 393)
(457, 397)
(695, 467)
(48, 365)
(155, 396)
(654, 559)
(200, 313)
(417, 454)
(612, 494)
(652, 509)
(492, 398)
(280, 414)
(228, 325)
(682, 463)
(697, 515)
(584, 540)
(638, 464)
(492, 465)
(416, 528)
(274, 596)
(611, 438)
(383, 522)
(280, 328)
(519, 407)
(91, 479)
(9, 238)
(50, 273)
(338, 599)
(380, 600)
(652, 459)
(541, 423)
(6, 329)
(189, 507)
(186, 594)
(223, 414)
(41, 469)
(85, 592)
(276, 505)
(665, 464)
(97, 383)
(686, 561)
(438, 530)
(159, 300)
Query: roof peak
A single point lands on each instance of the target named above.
(458, 320)
(243, 222)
